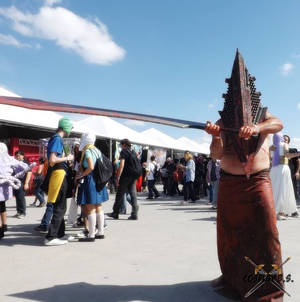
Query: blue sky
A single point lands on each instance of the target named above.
(161, 57)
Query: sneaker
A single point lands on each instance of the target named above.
(82, 234)
(132, 217)
(148, 198)
(157, 196)
(41, 205)
(99, 236)
(76, 225)
(113, 215)
(41, 229)
(73, 239)
(280, 217)
(55, 242)
(213, 208)
(21, 216)
(295, 214)
(17, 215)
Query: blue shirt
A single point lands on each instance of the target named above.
(55, 145)
(93, 153)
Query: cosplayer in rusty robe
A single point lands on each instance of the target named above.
(246, 220)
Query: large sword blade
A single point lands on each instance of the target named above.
(60, 107)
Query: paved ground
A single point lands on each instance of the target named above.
(169, 254)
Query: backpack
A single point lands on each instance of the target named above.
(103, 171)
(134, 166)
(156, 173)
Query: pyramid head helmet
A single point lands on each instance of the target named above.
(242, 107)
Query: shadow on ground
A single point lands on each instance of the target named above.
(183, 292)
(22, 234)
(212, 218)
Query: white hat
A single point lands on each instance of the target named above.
(87, 139)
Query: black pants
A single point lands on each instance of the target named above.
(126, 185)
(295, 185)
(165, 184)
(152, 189)
(189, 191)
(20, 200)
(57, 226)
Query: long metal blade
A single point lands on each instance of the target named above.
(275, 283)
(60, 107)
(254, 289)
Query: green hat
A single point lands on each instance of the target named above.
(65, 124)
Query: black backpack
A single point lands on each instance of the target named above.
(134, 167)
(156, 173)
(103, 171)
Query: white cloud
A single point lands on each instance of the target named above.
(134, 123)
(52, 2)
(10, 40)
(88, 39)
(286, 69)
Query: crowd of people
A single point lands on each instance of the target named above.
(64, 176)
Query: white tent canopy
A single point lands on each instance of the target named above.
(34, 118)
(163, 139)
(5, 92)
(193, 146)
(28, 117)
(102, 126)
(106, 127)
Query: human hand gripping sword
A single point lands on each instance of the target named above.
(260, 270)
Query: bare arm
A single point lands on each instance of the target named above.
(56, 160)
(272, 124)
(216, 146)
(90, 167)
(27, 180)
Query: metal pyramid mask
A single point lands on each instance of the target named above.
(242, 107)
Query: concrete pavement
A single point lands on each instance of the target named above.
(169, 254)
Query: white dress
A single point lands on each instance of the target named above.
(283, 190)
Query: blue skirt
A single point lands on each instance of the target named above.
(87, 193)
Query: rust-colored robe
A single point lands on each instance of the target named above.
(246, 226)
